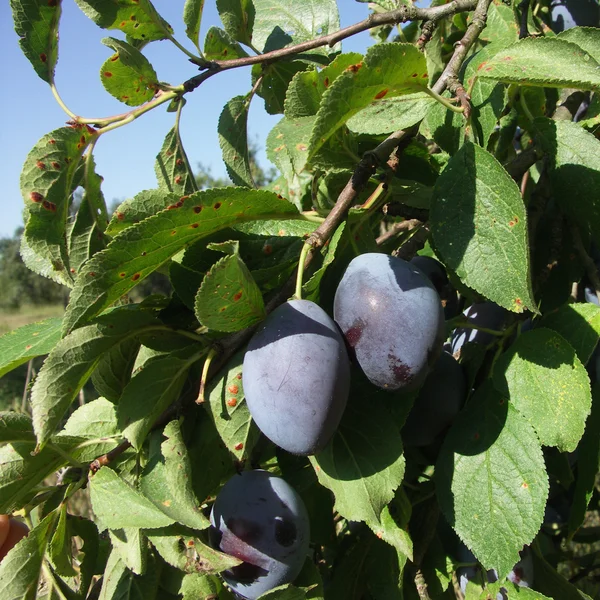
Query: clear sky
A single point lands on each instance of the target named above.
(124, 157)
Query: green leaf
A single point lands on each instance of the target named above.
(117, 505)
(228, 409)
(136, 18)
(237, 17)
(287, 146)
(143, 205)
(501, 27)
(142, 248)
(86, 236)
(21, 345)
(229, 299)
(88, 533)
(192, 17)
(151, 391)
(363, 464)
(279, 23)
(219, 46)
(387, 70)
(20, 570)
(392, 114)
(127, 75)
(183, 550)
(444, 126)
(233, 139)
(113, 371)
(511, 591)
(587, 38)
(479, 228)
(306, 89)
(72, 360)
(574, 156)
(171, 168)
(15, 427)
(276, 78)
(579, 324)
(549, 582)
(548, 385)
(60, 548)
(131, 545)
(46, 184)
(545, 62)
(36, 24)
(588, 465)
(491, 481)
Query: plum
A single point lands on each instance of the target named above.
(439, 401)
(391, 315)
(260, 519)
(13, 532)
(571, 13)
(483, 314)
(436, 273)
(296, 377)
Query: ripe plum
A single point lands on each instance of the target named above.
(262, 520)
(483, 314)
(439, 401)
(296, 377)
(391, 315)
(16, 532)
(436, 273)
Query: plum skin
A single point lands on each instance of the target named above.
(262, 520)
(13, 532)
(392, 316)
(296, 377)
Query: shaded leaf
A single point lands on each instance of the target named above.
(548, 385)
(21, 345)
(192, 17)
(16, 427)
(219, 46)
(131, 545)
(233, 139)
(491, 481)
(171, 168)
(142, 248)
(479, 228)
(113, 371)
(237, 17)
(60, 547)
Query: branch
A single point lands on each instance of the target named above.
(524, 8)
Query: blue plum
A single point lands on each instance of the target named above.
(439, 401)
(483, 314)
(436, 273)
(296, 377)
(571, 13)
(391, 315)
(260, 519)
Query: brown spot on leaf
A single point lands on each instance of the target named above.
(36, 197)
(239, 446)
(381, 94)
(49, 205)
(178, 162)
(267, 249)
(40, 165)
(43, 57)
(107, 74)
(194, 225)
(135, 277)
(120, 216)
(92, 274)
(197, 209)
(233, 389)
(114, 57)
(326, 82)
(238, 376)
(121, 274)
(237, 296)
(178, 179)
(56, 165)
(217, 206)
(232, 402)
(524, 485)
(52, 142)
(354, 68)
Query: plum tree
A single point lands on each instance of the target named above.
(262, 520)
(296, 377)
(480, 314)
(436, 273)
(391, 315)
(12, 532)
(439, 400)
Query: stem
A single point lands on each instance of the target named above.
(204, 377)
(524, 106)
(303, 254)
(60, 102)
(444, 101)
(588, 263)
(65, 455)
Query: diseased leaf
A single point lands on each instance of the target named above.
(21, 568)
(192, 17)
(47, 181)
(229, 299)
(363, 464)
(233, 139)
(72, 360)
(144, 247)
(479, 228)
(219, 46)
(574, 157)
(228, 409)
(128, 75)
(546, 382)
(388, 70)
(36, 24)
(588, 464)
(136, 18)
(579, 324)
(237, 17)
(545, 62)
(117, 505)
(501, 27)
(491, 481)
(171, 168)
(21, 345)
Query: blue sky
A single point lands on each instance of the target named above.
(124, 157)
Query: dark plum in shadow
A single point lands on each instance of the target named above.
(391, 315)
(260, 519)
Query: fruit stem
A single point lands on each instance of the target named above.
(444, 101)
(305, 250)
(203, 378)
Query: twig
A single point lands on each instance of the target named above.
(414, 244)
(588, 264)
(26, 386)
(426, 34)
(519, 165)
(421, 586)
(396, 228)
(524, 29)
(107, 458)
